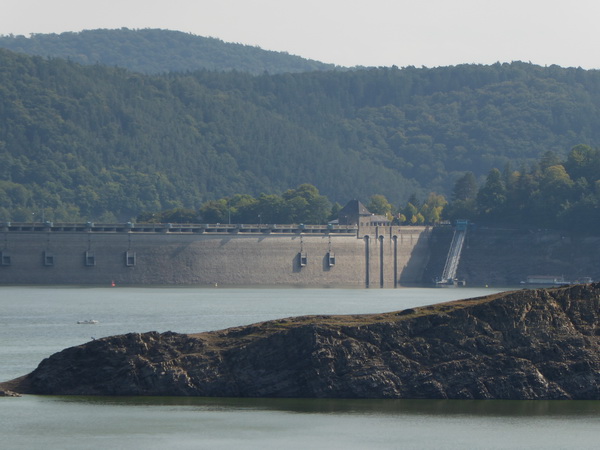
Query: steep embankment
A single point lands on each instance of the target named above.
(520, 253)
(530, 344)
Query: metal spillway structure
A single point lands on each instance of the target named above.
(458, 240)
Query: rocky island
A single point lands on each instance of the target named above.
(528, 344)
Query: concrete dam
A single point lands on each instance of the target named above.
(225, 255)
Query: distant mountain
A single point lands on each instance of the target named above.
(153, 51)
(103, 143)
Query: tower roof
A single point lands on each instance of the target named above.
(354, 208)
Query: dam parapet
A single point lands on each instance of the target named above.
(129, 227)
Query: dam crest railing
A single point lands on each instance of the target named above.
(177, 228)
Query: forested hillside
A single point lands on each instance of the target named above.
(153, 51)
(102, 143)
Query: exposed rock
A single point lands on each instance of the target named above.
(7, 393)
(529, 344)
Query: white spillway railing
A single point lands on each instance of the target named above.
(453, 257)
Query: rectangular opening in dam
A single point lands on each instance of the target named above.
(303, 258)
(331, 259)
(48, 259)
(4, 259)
(90, 259)
(129, 259)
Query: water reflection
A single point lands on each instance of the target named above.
(487, 408)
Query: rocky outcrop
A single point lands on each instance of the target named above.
(529, 344)
(7, 393)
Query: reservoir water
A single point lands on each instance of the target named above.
(38, 321)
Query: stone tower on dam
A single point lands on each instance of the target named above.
(242, 255)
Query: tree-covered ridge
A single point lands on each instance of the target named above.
(101, 143)
(555, 193)
(154, 51)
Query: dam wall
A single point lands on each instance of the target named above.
(218, 255)
(507, 257)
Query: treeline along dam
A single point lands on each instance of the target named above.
(134, 254)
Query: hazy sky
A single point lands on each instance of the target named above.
(347, 32)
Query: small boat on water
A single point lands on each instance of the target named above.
(87, 322)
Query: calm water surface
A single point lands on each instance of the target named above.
(36, 322)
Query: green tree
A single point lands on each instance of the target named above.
(521, 198)
(179, 215)
(414, 200)
(305, 204)
(554, 196)
(242, 208)
(583, 162)
(549, 158)
(463, 204)
(556, 182)
(215, 211)
(380, 205)
(432, 208)
(491, 198)
(410, 212)
(335, 210)
(465, 187)
(270, 209)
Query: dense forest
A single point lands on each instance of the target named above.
(555, 193)
(104, 143)
(153, 51)
(562, 194)
(301, 205)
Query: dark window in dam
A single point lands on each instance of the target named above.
(48, 259)
(130, 259)
(331, 259)
(90, 259)
(4, 259)
(303, 258)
